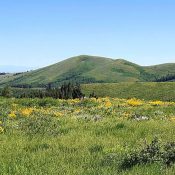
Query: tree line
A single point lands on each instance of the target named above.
(65, 91)
(165, 78)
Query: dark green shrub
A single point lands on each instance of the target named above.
(152, 153)
(120, 126)
(168, 155)
(149, 154)
(6, 92)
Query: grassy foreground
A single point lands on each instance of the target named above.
(89, 137)
(142, 90)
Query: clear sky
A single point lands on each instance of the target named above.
(35, 33)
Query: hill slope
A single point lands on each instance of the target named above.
(89, 69)
(141, 90)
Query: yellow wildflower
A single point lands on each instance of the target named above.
(134, 102)
(58, 114)
(26, 112)
(1, 129)
(12, 114)
(172, 118)
(108, 104)
(73, 101)
(77, 110)
(156, 103)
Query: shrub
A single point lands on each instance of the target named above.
(6, 92)
(152, 153)
(149, 154)
(168, 155)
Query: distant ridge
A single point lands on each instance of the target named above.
(14, 69)
(89, 69)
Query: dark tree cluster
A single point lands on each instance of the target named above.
(169, 77)
(22, 86)
(2, 73)
(30, 94)
(6, 92)
(18, 73)
(66, 91)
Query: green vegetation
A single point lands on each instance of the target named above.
(6, 92)
(142, 90)
(75, 137)
(66, 91)
(127, 133)
(151, 153)
(147, 91)
(169, 77)
(88, 69)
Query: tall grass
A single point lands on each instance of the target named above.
(76, 145)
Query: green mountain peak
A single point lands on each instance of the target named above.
(88, 69)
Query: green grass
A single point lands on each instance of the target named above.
(88, 69)
(5, 79)
(79, 145)
(77, 152)
(142, 90)
(147, 91)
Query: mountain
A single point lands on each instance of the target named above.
(89, 69)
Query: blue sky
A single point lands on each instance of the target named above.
(35, 33)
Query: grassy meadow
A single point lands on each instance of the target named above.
(85, 137)
(143, 90)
